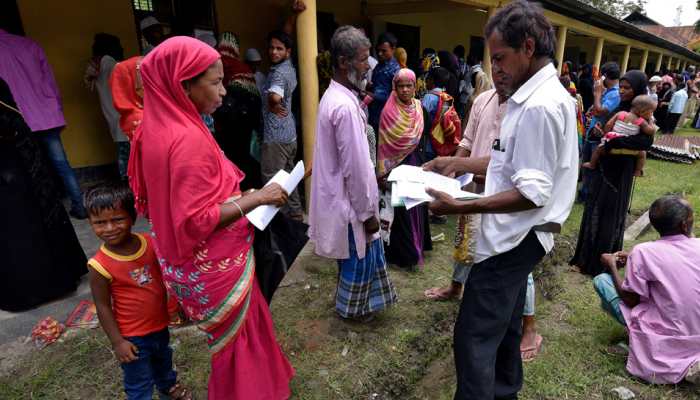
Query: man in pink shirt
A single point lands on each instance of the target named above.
(659, 298)
(24, 67)
(344, 206)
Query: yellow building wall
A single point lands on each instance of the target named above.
(252, 24)
(584, 44)
(443, 30)
(65, 29)
(251, 21)
(346, 12)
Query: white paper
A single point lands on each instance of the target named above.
(411, 190)
(406, 173)
(396, 201)
(409, 186)
(261, 216)
(410, 203)
(465, 179)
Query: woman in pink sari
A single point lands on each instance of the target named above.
(191, 194)
(402, 141)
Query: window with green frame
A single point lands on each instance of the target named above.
(143, 5)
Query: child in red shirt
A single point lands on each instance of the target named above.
(129, 295)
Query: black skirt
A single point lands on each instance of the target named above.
(603, 223)
(42, 257)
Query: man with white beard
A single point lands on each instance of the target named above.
(344, 207)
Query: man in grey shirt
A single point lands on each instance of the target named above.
(279, 146)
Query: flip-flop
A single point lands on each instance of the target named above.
(530, 353)
(432, 294)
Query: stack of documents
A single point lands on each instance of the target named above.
(261, 216)
(408, 184)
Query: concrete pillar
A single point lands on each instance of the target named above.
(598, 57)
(625, 59)
(645, 58)
(678, 64)
(307, 52)
(486, 63)
(561, 45)
(684, 66)
(658, 62)
(668, 64)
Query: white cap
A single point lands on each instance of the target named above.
(655, 79)
(252, 55)
(148, 22)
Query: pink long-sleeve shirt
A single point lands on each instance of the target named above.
(664, 328)
(343, 184)
(23, 66)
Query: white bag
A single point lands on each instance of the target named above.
(386, 216)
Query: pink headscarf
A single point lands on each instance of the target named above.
(176, 170)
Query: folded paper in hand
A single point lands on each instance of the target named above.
(409, 184)
(261, 216)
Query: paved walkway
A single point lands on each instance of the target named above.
(14, 325)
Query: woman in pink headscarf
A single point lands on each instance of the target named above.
(402, 141)
(191, 194)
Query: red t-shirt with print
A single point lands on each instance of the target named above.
(139, 298)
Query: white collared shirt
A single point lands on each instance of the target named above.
(537, 154)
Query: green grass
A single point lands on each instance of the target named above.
(406, 352)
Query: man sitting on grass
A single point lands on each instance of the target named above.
(659, 299)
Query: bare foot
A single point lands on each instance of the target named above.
(530, 345)
(587, 165)
(693, 375)
(451, 292)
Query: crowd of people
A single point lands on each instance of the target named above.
(199, 130)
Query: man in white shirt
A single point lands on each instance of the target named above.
(531, 179)
(676, 108)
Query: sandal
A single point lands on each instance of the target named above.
(179, 392)
(530, 353)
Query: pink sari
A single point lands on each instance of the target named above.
(180, 178)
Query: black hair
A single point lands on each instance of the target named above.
(667, 213)
(447, 61)
(428, 50)
(110, 196)
(282, 37)
(105, 44)
(459, 51)
(387, 37)
(611, 70)
(440, 76)
(520, 20)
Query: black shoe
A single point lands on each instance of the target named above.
(78, 213)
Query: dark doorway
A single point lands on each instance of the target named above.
(409, 38)
(326, 25)
(476, 48)
(10, 20)
(179, 17)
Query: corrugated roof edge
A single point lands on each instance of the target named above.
(592, 16)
